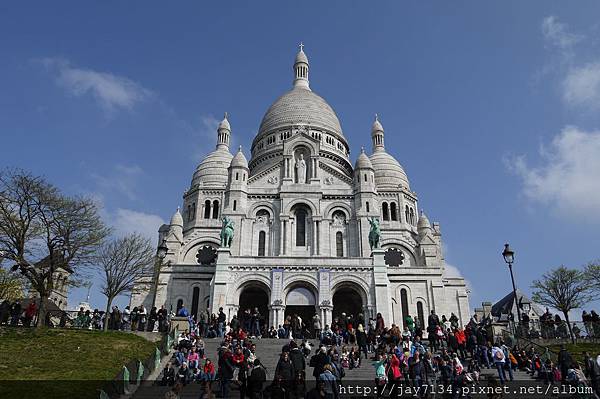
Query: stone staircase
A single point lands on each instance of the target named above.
(268, 351)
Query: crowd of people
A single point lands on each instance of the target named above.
(420, 355)
(136, 319)
(416, 358)
(13, 313)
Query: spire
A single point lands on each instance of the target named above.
(377, 135)
(223, 133)
(301, 69)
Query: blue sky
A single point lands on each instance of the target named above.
(492, 108)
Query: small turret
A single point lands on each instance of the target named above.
(301, 69)
(176, 225)
(364, 175)
(223, 133)
(377, 135)
(423, 225)
(238, 181)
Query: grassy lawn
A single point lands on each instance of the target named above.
(576, 350)
(57, 360)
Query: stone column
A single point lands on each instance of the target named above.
(288, 239)
(319, 250)
(282, 236)
(315, 238)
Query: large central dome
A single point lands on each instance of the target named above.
(300, 106)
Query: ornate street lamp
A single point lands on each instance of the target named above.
(509, 258)
(161, 253)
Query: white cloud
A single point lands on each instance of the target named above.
(557, 34)
(126, 221)
(121, 180)
(112, 92)
(582, 86)
(451, 271)
(568, 178)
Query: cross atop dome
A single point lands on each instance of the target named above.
(301, 47)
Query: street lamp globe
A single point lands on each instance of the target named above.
(508, 254)
(162, 249)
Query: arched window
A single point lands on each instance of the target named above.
(393, 211)
(300, 228)
(237, 175)
(404, 304)
(261, 243)
(215, 212)
(179, 305)
(412, 216)
(420, 313)
(339, 244)
(195, 300)
(207, 209)
(368, 210)
(407, 214)
(366, 179)
(234, 204)
(385, 211)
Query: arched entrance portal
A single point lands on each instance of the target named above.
(251, 298)
(300, 301)
(347, 300)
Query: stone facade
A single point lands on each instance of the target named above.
(301, 212)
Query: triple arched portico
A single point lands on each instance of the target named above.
(288, 293)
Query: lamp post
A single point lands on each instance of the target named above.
(161, 253)
(509, 258)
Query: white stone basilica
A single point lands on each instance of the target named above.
(301, 215)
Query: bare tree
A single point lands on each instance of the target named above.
(563, 289)
(42, 231)
(123, 261)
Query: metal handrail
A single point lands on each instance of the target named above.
(547, 352)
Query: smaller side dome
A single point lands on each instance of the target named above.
(363, 161)
(177, 219)
(239, 160)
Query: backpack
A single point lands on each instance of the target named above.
(556, 374)
(499, 355)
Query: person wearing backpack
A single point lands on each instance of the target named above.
(499, 360)
(507, 359)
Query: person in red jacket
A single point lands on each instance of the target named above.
(30, 312)
(208, 376)
(461, 337)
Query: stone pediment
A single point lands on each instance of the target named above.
(335, 176)
(268, 177)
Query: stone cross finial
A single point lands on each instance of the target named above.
(376, 117)
(301, 46)
(240, 148)
(226, 115)
(362, 149)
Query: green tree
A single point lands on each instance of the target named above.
(43, 230)
(11, 285)
(563, 289)
(123, 261)
(592, 272)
